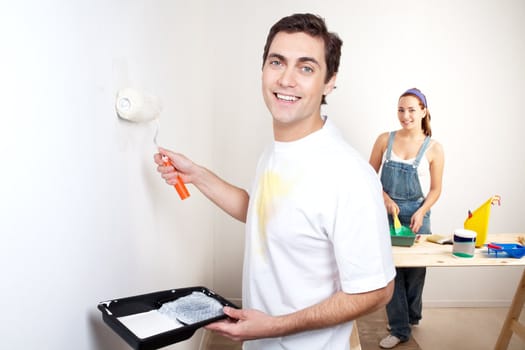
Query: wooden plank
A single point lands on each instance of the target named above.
(512, 323)
(355, 343)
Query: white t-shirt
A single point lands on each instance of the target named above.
(316, 225)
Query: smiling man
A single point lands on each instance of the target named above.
(317, 252)
(294, 84)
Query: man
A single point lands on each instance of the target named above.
(317, 253)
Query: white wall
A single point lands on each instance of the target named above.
(83, 214)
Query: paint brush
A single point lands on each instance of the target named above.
(397, 223)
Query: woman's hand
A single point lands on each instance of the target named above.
(416, 221)
(391, 207)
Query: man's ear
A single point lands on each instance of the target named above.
(330, 85)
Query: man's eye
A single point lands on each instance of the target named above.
(307, 69)
(275, 63)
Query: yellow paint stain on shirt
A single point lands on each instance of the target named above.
(271, 189)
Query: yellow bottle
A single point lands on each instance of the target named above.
(479, 220)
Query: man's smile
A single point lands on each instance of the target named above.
(287, 98)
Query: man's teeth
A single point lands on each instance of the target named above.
(286, 97)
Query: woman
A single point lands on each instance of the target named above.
(411, 166)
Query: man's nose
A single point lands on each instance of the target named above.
(287, 77)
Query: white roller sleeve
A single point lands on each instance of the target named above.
(137, 106)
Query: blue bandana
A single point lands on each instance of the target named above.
(417, 93)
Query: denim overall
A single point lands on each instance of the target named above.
(401, 182)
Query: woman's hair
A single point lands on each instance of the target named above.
(425, 122)
(314, 26)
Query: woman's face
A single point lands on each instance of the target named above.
(410, 113)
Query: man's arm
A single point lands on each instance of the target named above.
(340, 308)
(233, 200)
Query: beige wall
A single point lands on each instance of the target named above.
(466, 56)
(83, 215)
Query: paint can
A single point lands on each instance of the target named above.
(464, 243)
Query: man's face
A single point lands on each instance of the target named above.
(293, 84)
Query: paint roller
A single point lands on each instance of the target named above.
(139, 107)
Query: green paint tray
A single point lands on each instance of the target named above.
(404, 238)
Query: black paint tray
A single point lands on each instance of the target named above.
(114, 313)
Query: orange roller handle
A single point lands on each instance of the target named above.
(180, 187)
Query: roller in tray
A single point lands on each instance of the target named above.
(155, 320)
(502, 250)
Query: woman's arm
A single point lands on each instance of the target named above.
(436, 160)
(437, 163)
(376, 159)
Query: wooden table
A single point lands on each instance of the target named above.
(428, 254)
